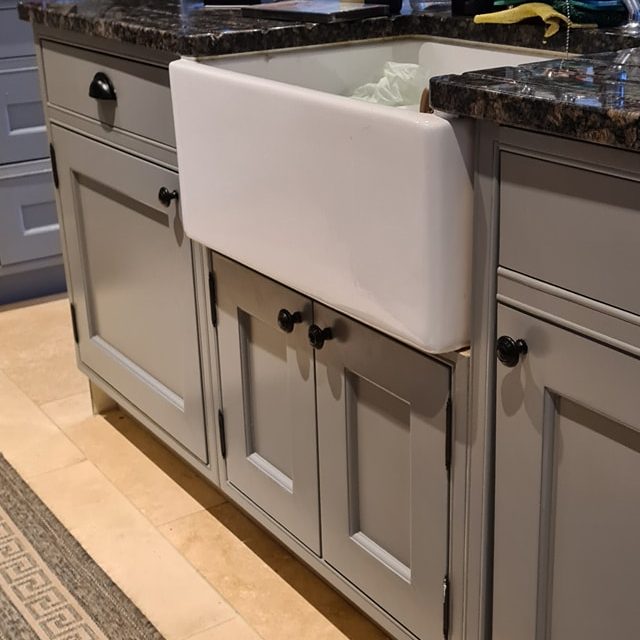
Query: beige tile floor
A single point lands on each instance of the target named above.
(195, 564)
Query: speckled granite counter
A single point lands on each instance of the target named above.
(189, 28)
(594, 98)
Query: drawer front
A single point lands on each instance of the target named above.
(15, 35)
(571, 227)
(23, 134)
(142, 102)
(28, 221)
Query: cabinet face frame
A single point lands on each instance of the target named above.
(175, 404)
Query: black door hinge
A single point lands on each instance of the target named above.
(213, 300)
(223, 434)
(448, 447)
(54, 166)
(445, 607)
(74, 323)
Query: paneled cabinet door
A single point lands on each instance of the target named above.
(28, 222)
(382, 424)
(567, 512)
(268, 396)
(132, 283)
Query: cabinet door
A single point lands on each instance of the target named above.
(382, 429)
(132, 283)
(23, 134)
(268, 398)
(567, 520)
(28, 222)
(16, 37)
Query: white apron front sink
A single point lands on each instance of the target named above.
(364, 207)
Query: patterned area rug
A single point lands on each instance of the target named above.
(50, 589)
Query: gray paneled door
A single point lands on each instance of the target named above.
(23, 134)
(567, 515)
(268, 397)
(132, 283)
(382, 428)
(28, 220)
(16, 37)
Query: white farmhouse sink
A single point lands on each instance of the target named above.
(364, 207)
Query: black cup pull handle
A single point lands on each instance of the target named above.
(165, 196)
(288, 320)
(318, 336)
(101, 87)
(510, 350)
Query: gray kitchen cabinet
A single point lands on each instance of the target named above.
(382, 429)
(268, 392)
(557, 223)
(567, 522)
(131, 277)
(345, 444)
(30, 260)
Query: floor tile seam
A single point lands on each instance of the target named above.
(62, 399)
(133, 446)
(157, 529)
(37, 407)
(188, 515)
(6, 372)
(124, 495)
(219, 624)
(244, 544)
(72, 530)
(200, 573)
(100, 472)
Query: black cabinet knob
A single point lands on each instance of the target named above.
(101, 87)
(510, 350)
(287, 320)
(165, 196)
(317, 336)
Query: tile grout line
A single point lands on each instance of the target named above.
(216, 626)
(72, 395)
(133, 446)
(200, 573)
(154, 527)
(187, 515)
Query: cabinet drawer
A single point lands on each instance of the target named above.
(22, 131)
(142, 102)
(571, 227)
(15, 35)
(28, 220)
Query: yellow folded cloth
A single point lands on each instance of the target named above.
(549, 15)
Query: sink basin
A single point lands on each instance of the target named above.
(364, 207)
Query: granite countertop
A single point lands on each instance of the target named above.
(189, 28)
(595, 98)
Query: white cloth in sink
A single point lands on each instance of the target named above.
(401, 84)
